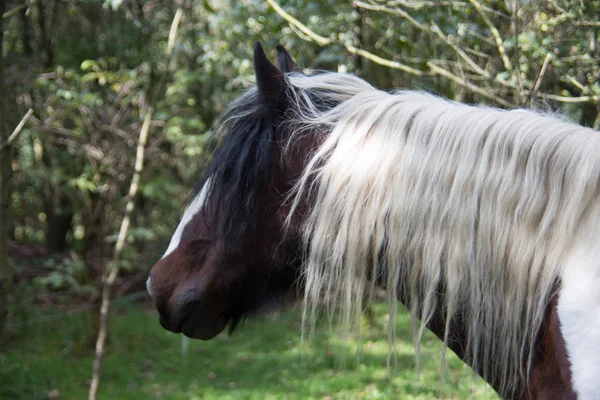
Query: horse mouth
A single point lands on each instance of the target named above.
(195, 322)
(205, 330)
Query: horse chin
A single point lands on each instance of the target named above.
(205, 329)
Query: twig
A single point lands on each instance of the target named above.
(397, 11)
(323, 41)
(14, 11)
(565, 99)
(112, 270)
(433, 28)
(475, 89)
(417, 5)
(113, 266)
(565, 15)
(560, 9)
(173, 33)
(594, 24)
(496, 34)
(436, 29)
(18, 129)
(540, 76)
(315, 37)
(574, 82)
(434, 69)
(521, 95)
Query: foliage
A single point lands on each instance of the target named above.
(65, 274)
(90, 69)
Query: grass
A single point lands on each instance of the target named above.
(52, 358)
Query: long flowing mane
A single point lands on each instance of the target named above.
(468, 210)
(239, 170)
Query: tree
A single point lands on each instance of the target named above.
(5, 176)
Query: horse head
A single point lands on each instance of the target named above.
(231, 254)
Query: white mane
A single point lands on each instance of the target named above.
(472, 207)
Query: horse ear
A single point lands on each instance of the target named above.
(286, 63)
(269, 78)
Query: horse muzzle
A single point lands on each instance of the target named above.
(188, 312)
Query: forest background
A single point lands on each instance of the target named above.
(90, 87)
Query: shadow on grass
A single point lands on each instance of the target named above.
(263, 360)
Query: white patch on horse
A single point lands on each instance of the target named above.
(191, 211)
(579, 314)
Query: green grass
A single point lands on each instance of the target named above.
(262, 360)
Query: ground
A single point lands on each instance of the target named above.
(50, 357)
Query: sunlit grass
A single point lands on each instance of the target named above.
(265, 359)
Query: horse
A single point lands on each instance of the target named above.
(483, 222)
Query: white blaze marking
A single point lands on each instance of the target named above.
(192, 210)
(579, 314)
(149, 287)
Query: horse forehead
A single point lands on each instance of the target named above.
(190, 213)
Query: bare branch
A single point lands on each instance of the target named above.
(574, 82)
(417, 5)
(515, 25)
(496, 34)
(14, 11)
(436, 29)
(475, 89)
(560, 9)
(18, 129)
(565, 99)
(396, 11)
(112, 269)
(540, 76)
(567, 16)
(113, 266)
(323, 41)
(434, 67)
(173, 32)
(315, 37)
(594, 24)
(382, 61)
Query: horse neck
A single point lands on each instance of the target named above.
(550, 376)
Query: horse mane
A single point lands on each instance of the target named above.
(240, 168)
(469, 208)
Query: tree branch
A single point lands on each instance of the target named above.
(496, 34)
(565, 99)
(17, 130)
(113, 267)
(475, 89)
(515, 25)
(323, 41)
(540, 76)
(14, 11)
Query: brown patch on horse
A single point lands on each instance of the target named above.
(550, 377)
(179, 282)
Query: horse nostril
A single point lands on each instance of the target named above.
(149, 287)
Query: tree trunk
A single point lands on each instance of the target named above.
(26, 33)
(45, 42)
(5, 175)
(58, 225)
